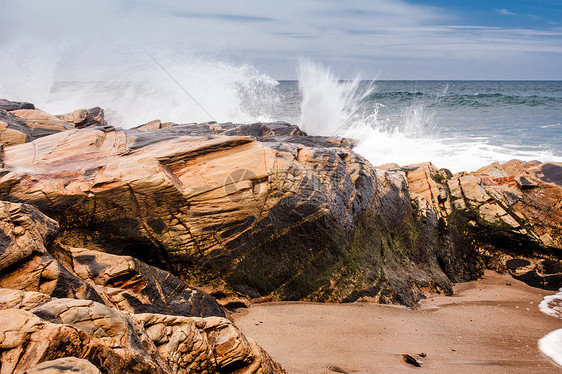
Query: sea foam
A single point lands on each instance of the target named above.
(552, 305)
(551, 344)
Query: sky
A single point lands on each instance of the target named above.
(380, 39)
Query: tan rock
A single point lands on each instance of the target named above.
(39, 119)
(11, 136)
(26, 340)
(17, 299)
(233, 204)
(84, 117)
(65, 365)
(198, 344)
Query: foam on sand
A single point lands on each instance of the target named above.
(552, 305)
(551, 344)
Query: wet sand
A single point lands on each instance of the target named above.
(489, 326)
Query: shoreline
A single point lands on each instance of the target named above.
(490, 325)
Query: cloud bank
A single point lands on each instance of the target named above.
(374, 37)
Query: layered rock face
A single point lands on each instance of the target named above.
(300, 218)
(511, 213)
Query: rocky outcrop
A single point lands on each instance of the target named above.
(82, 118)
(136, 287)
(9, 106)
(511, 213)
(102, 230)
(297, 218)
(80, 331)
(263, 210)
(97, 312)
(129, 284)
(21, 122)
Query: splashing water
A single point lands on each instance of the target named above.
(400, 125)
(405, 135)
(328, 106)
(342, 108)
(133, 89)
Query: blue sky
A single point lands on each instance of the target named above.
(381, 39)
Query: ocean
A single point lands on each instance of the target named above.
(459, 125)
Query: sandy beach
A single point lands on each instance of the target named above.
(488, 326)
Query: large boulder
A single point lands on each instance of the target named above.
(261, 210)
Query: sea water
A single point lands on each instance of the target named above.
(459, 125)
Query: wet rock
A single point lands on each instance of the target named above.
(337, 369)
(136, 287)
(505, 210)
(211, 203)
(9, 106)
(213, 209)
(82, 118)
(411, 360)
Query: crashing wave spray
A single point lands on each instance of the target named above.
(328, 105)
(345, 108)
(389, 131)
(133, 89)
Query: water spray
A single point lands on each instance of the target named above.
(179, 84)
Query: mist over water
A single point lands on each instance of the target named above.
(134, 89)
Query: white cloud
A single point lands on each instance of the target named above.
(505, 12)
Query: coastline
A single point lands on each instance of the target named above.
(489, 326)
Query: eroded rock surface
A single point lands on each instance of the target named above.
(99, 328)
(508, 211)
(65, 365)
